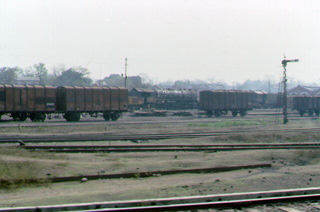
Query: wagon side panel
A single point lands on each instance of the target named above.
(123, 99)
(106, 99)
(50, 98)
(65, 99)
(115, 95)
(3, 96)
(39, 96)
(88, 99)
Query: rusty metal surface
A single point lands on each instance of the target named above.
(27, 98)
(92, 99)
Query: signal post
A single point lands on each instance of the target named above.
(284, 64)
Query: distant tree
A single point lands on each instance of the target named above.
(8, 75)
(74, 77)
(100, 82)
(28, 72)
(42, 73)
(57, 70)
(37, 70)
(236, 86)
(292, 82)
(146, 81)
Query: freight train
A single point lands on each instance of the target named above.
(35, 102)
(162, 99)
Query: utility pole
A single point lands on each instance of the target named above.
(125, 72)
(284, 64)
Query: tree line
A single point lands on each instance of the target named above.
(60, 76)
(79, 76)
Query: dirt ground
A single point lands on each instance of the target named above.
(290, 168)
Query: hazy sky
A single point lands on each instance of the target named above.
(226, 40)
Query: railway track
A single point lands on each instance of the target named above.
(148, 148)
(129, 120)
(143, 174)
(139, 137)
(239, 201)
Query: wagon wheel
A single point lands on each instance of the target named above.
(23, 116)
(243, 113)
(15, 116)
(209, 113)
(106, 117)
(115, 116)
(72, 116)
(217, 113)
(67, 117)
(310, 112)
(19, 116)
(234, 113)
(36, 117)
(76, 116)
(301, 112)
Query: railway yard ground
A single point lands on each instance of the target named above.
(289, 167)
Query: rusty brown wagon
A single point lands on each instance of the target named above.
(23, 101)
(111, 102)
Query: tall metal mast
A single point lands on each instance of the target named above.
(125, 72)
(284, 64)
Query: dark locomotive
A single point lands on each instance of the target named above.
(35, 102)
(162, 99)
(218, 102)
(140, 98)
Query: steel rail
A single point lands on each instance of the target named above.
(218, 201)
(157, 148)
(146, 136)
(236, 204)
(140, 145)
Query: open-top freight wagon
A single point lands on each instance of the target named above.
(218, 102)
(306, 104)
(35, 102)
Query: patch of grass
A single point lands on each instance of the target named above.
(304, 157)
(224, 124)
(17, 167)
(14, 151)
(243, 138)
(118, 163)
(18, 174)
(271, 138)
